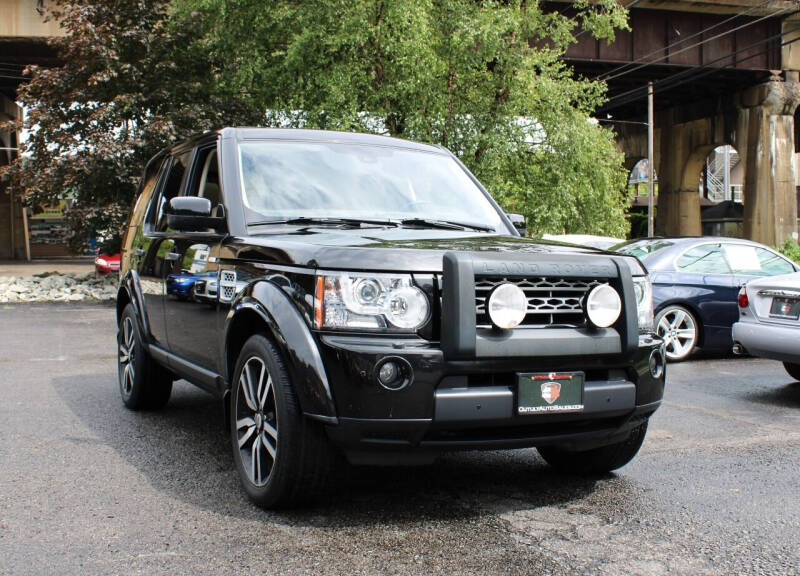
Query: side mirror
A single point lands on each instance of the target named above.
(193, 214)
(518, 221)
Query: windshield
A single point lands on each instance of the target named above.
(642, 249)
(286, 180)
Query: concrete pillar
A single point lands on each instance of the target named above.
(770, 201)
(683, 150)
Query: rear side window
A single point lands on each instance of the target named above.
(156, 216)
(754, 261)
(705, 259)
(772, 264)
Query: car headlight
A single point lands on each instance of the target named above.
(369, 302)
(643, 290)
(101, 262)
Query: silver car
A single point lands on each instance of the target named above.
(769, 320)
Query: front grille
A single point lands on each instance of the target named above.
(551, 301)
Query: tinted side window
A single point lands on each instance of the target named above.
(754, 261)
(772, 264)
(156, 217)
(706, 259)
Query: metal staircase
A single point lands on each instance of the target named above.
(715, 176)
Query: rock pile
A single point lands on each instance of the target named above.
(56, 287)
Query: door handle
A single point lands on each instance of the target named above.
(171, 256)
(139, 252)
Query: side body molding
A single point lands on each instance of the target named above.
(290, 332)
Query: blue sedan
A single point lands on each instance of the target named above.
(696, 282)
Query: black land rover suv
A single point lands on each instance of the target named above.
(361, 295)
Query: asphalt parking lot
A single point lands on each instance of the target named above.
(87, 487)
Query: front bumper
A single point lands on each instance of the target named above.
(772, 341)
(469, 404)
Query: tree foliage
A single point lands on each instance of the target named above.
(134, 78)
(484, 78)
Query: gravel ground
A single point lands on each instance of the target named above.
(87, 487)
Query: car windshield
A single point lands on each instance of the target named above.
(642, 249)
(322, 180)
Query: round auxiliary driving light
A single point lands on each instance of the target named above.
(507, 306)
(603, 306)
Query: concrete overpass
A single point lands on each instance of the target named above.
(725, 72)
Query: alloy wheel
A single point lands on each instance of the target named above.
(256, 421)
(679, 331)
(127, 356)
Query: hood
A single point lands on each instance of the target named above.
(391, 249)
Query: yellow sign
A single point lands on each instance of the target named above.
(54, 211)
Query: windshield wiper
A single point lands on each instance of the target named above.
(445, 224)
(357, 222)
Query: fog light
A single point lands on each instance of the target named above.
(393, 373)
(603, 306)
(656, 364)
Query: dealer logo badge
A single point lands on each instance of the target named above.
(551, 391)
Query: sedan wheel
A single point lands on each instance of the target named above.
(678, 328)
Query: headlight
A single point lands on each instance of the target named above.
(371, 302)
(101, 262)
(643, 290)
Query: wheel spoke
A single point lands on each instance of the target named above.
(262, 398)
(246, 436)
(255, 462)
(123, 354)
(270, 448)
(128, 378)
(128, 333)
(686, 333)
(245, 422)
(245, 386)
(268, 428)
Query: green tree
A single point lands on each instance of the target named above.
(134, 78)
(484, 78)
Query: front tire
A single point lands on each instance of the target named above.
(793, 370)
(143, 383)
(679, 329)
(597, 460)
(282, 457)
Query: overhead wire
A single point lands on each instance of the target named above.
(695, 45)
(694, 73)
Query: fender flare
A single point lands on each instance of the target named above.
(129, 285)
(291, 334)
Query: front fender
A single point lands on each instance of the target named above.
(290, 332)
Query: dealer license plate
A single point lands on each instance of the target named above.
(785, 308)
(545, 392)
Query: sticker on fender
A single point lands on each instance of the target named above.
(549, 392)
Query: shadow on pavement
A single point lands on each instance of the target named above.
(787, 396)
(183, 450)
